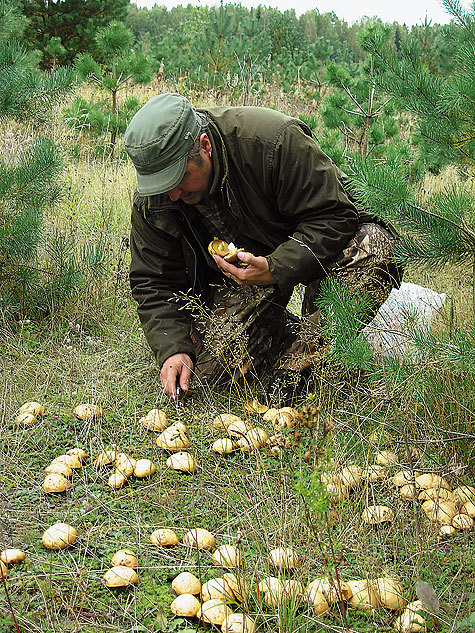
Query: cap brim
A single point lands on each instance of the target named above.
(164, 180)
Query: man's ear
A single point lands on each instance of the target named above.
(205, 143)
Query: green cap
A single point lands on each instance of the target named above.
(158, 140)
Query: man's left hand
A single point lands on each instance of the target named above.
(256, 273)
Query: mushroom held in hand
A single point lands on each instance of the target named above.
(227, 251)
(120, 576)
(59, 536)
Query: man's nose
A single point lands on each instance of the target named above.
(174, 194)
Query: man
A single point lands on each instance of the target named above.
(256, 178)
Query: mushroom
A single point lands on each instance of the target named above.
(116, 480)
(186, 583)
(363, 595)
(58, 468)
(238, 623)
(72, 461)
(462, 522)
(435, 494)
(270, 415)
(183, 461)
(26, 419)
(410, 620)
(105, 458)
(333, 590)
(389, 593)
(227, 556)
(316, 599)
(223, 446)
(254, 406)
(59, 536)
(284, 420)
(155, 420)
(3, 570)
(373, 515)
(32, 407)
(462, 494)
(124, 558)
(55, 483)
(336, 488)
(407, 492)
(351, 476)
(80, 452)
(386, 458)
(144, 468)
(120, 576)
(404, 477)
(468, 508)
(185, 605)
(9, 556)
(214, 612)
(283, 558)
(447, 530)
(88, 412)
(375, 472)
(223, 420)
(253, 440)
(217, 589)
(163, 537)
(431, 480)
(238, 586)
(199, 538)
(173, 439)
(125, 464)
(238, 428)
(274, 591)
(226, 251)
(440, 511)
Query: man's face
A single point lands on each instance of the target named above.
(196, 181)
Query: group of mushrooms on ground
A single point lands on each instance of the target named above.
(451, 510)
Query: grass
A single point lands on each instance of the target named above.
(94, 351)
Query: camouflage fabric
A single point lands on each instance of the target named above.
(245, 328)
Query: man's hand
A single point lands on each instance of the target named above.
(255, 274)
(177, 367)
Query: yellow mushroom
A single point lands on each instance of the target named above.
(283, 558)
(164, 537)
(155, 420)
(9, 556)
(214, 612)
(144, 468)
(173, 439)
(238, 623)
(185, 605)
(26, 419)
(227, 556)
(59, 536)
(183, 461)
(88, 412)
(34, 408)
(199, 538)
(120, 576)
(223, 446)
(373, 515)
(363, 595)
(55, 483)
(186, 583)
(117, 480)
(124, 558)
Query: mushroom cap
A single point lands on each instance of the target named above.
(185, 605)
(155, 420)
(410, 621)
(386, 458)
(351, 476)
(377, 514)
(55, 483)
(468, 508)
(363, 595)
(435, 494)
(105, 458)
(223, 446)
(440, 511)
(238, 623)
(72, 461)
(186, 583)
(254, 406)
(183, 461)
(270, 415)
(144, 468)
(120, 576)
(238, 586)
(124, 558)
(336, 488)
(200, 538)
(216, 589)
(218, 247)
(26, 419)
(408, 491)
(330, 589)
(284, 558)
(223, 420)
(390, 593)
(462, 522)
(163, 537)
(462, 494)
(80, 452)
(58, 468)
(294, 414)
(375, 472)
(283, 420)
(253, 440)
(59, 536)
(181, 426)
(125, 464)
(227, 556)
(214, 611)
(431, 480)
(447, 530)
(173, 439)
(404, 477)
(88, 412)
(238, 428)
(3, 570)
(32, 407)
(116, 480)
(9, 556)
(316, 599)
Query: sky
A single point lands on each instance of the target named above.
(407, 12)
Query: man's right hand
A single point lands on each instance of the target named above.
(176, 368)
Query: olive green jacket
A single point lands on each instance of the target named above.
(274, 193)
